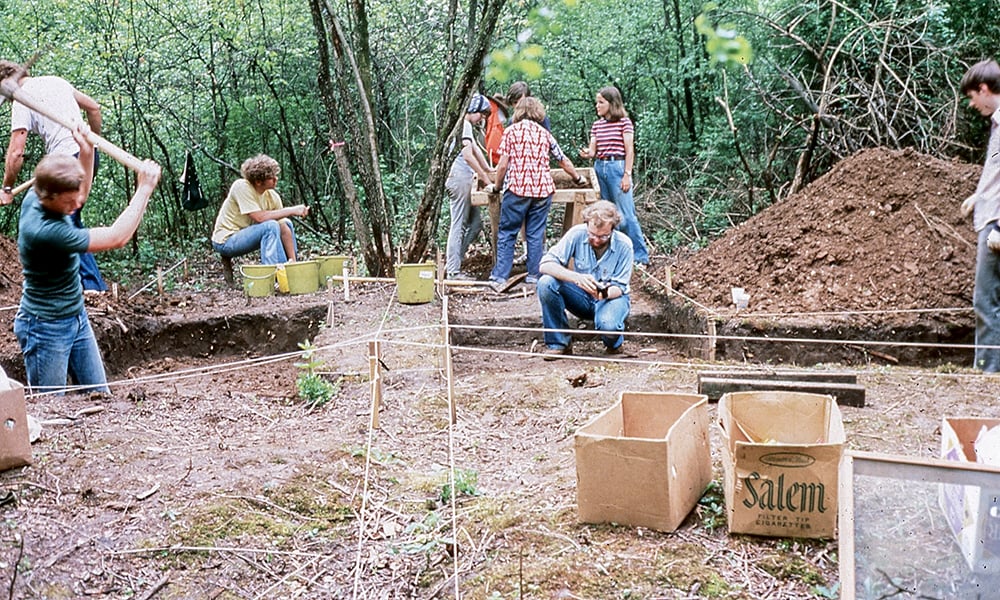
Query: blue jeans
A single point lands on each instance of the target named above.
(556, 297)
(54, 348)
(90, 274)
(266, 236)
(986, 302)
(466, 222)
(516, 211)
(609, 177)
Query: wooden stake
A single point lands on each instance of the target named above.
(441, 289)
(711, 340)
(347, 286)
(329, 307)
(448, 372)
(159, 280)
(670, 280)
(374, 349)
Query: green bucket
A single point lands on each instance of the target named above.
(258, 280)
(415, 283)
(331, 266)
(303, 276)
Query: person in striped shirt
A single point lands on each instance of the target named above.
(612, 148)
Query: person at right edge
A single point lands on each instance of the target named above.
(981, 85)
(612, 146)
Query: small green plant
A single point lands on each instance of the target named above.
(712, 507)
(465, 484)
(823, 591)
(313, 388)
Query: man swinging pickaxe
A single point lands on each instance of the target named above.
(51, 107)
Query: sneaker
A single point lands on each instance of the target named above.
(531, 280)
(498, 285)
(460, 276)
(554, 352)
(641, 267)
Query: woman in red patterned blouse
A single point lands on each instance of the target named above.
(524, 169)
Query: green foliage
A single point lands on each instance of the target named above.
(230, 80)
(712, 507)
(722, 43)
(427, 537)
(313, 387)
(521, 57)
(464, 484)
(823, 591)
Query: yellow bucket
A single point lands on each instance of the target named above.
(303, 276)
(415, 283)
(331, 266)
(258, 280)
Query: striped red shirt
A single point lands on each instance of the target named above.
(610, 136)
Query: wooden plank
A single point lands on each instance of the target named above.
(846, 394)
(565, 192)
(783, 374)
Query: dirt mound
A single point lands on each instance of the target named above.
(882, 231)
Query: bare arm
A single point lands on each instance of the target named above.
(91, 108)
(591, 150)
(259, 216)
(13, 162)
(567, 166)
(120, 232)
(86, 157)
(629, 139)
(501, 171)
(474, 158)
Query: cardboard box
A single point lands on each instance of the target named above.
(15, 449)
(781, 461)
(972, 512)
(645, 461)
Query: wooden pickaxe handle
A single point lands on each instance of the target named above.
(27, 184)
(10, 89)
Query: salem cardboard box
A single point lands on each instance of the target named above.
(645, 461)
(15, 449)
(972, 512)
(781, 461)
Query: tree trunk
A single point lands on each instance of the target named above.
(430, 203)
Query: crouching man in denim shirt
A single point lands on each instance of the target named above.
(595, 288)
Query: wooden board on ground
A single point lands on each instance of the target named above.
(783, 374)
(847, 394)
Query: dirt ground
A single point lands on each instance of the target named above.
(204, 475)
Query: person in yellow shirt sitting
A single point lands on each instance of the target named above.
(252, 216)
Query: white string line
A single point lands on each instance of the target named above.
(150, 284)
(700, 336)
(451, 447)
(898, 311)
(190, 372)
(362, 516)
(695, 364)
